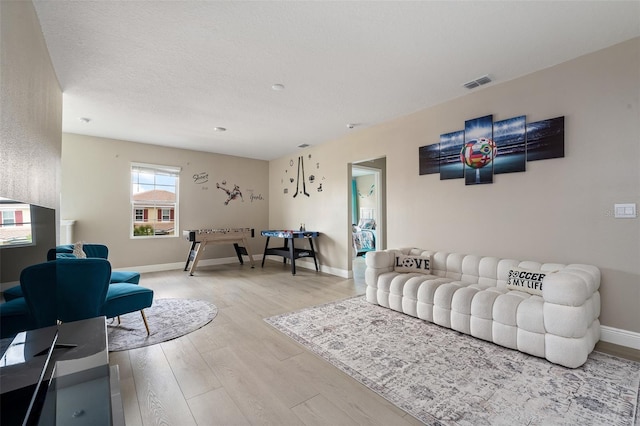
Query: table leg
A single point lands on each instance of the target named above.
(248, 250)
(199, 251)
(264, 256)
(292, 254)
(237, 248)
(193, 246)
(286, 246)
(313, 252)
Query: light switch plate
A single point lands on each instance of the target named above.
(625, 211)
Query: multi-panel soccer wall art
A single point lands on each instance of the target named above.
(486, 148)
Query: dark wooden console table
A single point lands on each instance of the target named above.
(289, 251)
(60, 375)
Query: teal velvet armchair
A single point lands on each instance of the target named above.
(95, 250)
(70, 289)
(65, 251)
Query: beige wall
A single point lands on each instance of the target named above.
(559, 210)
(30, 128)
(96, 193)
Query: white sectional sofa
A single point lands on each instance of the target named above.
(548, 310)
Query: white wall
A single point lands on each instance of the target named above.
(96, 184)
(557, 211)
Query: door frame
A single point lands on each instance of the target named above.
(380, 211)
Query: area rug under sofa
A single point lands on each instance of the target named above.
(441, 376)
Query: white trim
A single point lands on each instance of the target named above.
(343, 273)
(617, 336)
(152, 167)
(380, 221)
(180, 265)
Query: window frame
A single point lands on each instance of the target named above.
(150, 211)
(20, 223)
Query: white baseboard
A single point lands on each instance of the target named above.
(323, 268)
(180, 265)
(629, 339)
(226, 260)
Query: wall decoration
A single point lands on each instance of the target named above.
(202, 177)
(232, 194)
(485, 148)
(545, 139)
(510, 138)
(450, 165)
(429, 159)
(303, 184)
(253, 196)
(478, 151)
(371, 191)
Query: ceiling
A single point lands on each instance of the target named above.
(169, 72)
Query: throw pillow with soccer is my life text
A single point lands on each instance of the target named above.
(526, 280)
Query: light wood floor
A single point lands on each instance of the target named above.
(238, 370)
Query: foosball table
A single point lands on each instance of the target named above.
(201, 237)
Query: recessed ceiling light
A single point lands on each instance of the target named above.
(278, 87)
(219, 129)
(84, 119)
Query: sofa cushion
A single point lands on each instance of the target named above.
(12, 293)
(408, 263)
(130, 277)
(527, 280)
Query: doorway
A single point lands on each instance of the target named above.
(367, 213)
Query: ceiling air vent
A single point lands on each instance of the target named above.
(303, 145)
(477, 82)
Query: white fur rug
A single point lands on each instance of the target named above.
(441, 376)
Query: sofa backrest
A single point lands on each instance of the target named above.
(66, 251)
(475, 269)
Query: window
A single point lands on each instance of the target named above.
(8, 217)
(15, 223)
(166, 215)
(154, 200)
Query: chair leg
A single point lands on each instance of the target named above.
(118, 319)
(144, 318)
